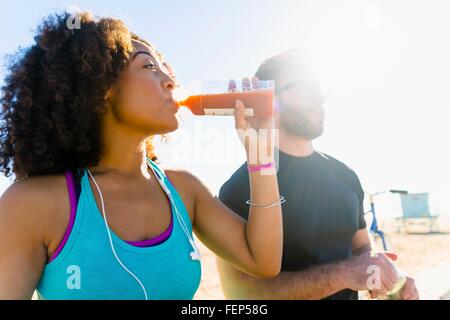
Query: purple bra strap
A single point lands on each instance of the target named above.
(73, 210)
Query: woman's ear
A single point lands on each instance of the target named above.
(108, 94)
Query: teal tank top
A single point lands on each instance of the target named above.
(86, 268)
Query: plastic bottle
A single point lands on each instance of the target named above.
(258, 98)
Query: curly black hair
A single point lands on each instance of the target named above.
(53, 99)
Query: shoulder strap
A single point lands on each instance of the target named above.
(157, 170)
(77, 174)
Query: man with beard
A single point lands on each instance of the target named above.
(326, 250)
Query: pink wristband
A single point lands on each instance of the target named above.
(255, 168)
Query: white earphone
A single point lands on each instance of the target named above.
(194, 255)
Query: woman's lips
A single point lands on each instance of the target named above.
(173, 103)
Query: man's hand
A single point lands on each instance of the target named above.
(354, 272)
(409, 290)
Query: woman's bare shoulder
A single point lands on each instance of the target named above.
(186, 181)
(187, 185)
(34, 205)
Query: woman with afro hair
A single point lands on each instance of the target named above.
(90, 215)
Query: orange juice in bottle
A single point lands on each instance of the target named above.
(214, 99)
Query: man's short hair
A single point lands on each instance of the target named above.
(270, 69)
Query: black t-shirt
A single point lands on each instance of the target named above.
(322, 212)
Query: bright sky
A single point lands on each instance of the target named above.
(386, 64)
